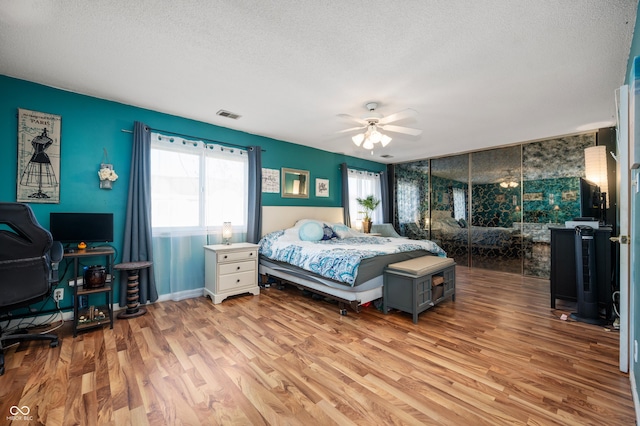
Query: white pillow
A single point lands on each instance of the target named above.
(311, 231)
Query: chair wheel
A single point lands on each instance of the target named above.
(343, 312)
(53, 344)
(1, 370)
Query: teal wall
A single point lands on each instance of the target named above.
(90, 125)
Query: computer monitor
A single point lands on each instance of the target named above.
(81, 227)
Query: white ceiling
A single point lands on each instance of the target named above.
(480, 73)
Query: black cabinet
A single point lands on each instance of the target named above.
(563, 266)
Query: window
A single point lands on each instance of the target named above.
(195, 187)
(361, 185)
(459, 204)
(408, 197)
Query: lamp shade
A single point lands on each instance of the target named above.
(227, 231)
(595, 166)
(357, 139)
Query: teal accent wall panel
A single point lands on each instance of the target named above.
(91, 125)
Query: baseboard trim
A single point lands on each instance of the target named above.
(181, 295)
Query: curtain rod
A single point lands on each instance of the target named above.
(360, 169)
(194, 137)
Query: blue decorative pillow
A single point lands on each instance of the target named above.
(311, 231)
(328, 233)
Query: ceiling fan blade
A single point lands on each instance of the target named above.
(352, 129)
(406, 113)
(352, 118)
(400, 129)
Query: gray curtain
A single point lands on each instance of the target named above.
(254, 227)
(344, 172)
(384, 190)
(137, 230)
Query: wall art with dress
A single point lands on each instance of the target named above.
(38, 179)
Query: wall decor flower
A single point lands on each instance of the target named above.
(107, 176)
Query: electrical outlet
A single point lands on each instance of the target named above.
(58, 294)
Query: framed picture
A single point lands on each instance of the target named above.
(322, 187)
(38, 179)
(532, 196)
(270, 180)
(295, 183)
(569, 195)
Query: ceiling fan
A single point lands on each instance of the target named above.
(373, 122)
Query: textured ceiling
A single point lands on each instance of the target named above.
(480, 73)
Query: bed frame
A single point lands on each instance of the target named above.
(282, 217)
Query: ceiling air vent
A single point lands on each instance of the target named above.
(228, 114)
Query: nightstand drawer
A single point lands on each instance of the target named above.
(239, 280)
(236, 256)
(232, 268)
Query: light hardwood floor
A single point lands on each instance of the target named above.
(497, 355)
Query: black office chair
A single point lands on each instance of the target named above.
(27, 253)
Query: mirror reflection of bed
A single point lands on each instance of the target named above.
(492, 246)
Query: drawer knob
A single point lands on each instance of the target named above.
(238, 268)
(238, 281)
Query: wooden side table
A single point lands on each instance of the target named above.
(133, 291)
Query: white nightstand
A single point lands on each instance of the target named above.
(230, 269)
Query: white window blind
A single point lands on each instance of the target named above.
(195, 187)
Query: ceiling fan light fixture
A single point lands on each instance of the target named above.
(375, 136)
(367, 144)
(372, 122)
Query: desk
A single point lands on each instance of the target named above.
(79, 290)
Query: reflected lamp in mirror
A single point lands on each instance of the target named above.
(227, 232)
(295, 183)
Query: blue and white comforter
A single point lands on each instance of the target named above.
(337, 258)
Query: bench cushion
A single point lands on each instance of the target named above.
(424, 265)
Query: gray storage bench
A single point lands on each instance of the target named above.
(415, 285)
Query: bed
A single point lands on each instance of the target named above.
(347, 268)
(449, 232)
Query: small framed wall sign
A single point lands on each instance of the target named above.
(271, 180)
(322, 187)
